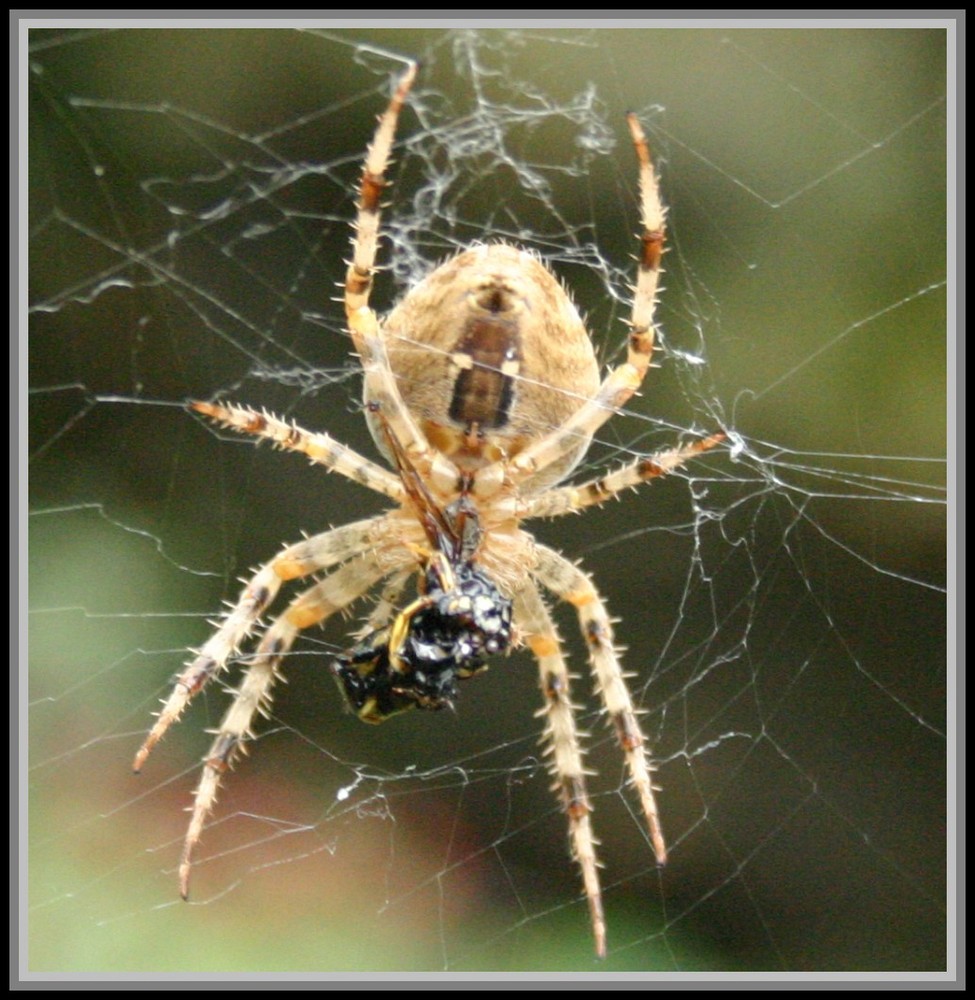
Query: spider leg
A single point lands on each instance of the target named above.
(313, 554)
(321, 448)
(620, 385)
(571, 584)
(570, 499)
(311, 607)
(653, 217)
(380, 385)
(562, 740)
(389, 603)
(358, 281)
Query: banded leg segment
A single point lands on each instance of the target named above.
(253, 697)
(562, 744)
(381, 391)
(358, 280)
(313, 554)
(321, 448)
(570, 499)
(572, 585)
(653, 217)
(621, 384)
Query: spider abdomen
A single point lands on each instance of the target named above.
(490, 354)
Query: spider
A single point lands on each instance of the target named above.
(482, 390)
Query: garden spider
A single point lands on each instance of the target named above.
(483, 391)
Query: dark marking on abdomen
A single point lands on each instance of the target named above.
(488, 356)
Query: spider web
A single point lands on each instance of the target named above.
(782, 600)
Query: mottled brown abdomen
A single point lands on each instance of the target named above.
(490, 354)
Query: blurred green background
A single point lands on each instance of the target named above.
(190, 193)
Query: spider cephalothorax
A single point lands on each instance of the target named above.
(482, 389)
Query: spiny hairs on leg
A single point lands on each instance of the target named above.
(623, 381)
(321, 448)
(319, 552)
(562, 745)
(212, 658)
(572, 585)
(311, 607)
(573, 498)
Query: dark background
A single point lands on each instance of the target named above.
(190, 193)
